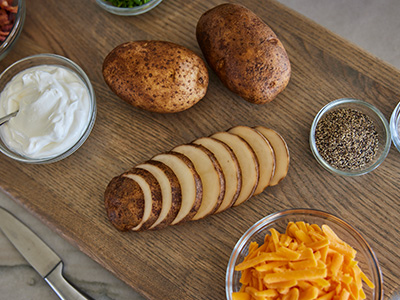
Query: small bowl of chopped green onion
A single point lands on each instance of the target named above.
(350, 137)
(128, 7)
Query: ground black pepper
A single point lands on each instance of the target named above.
(347, 139)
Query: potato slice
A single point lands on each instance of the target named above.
(152, 196)
(230, 167)
(124, 202)
(247, 162)
(264, 154)
(170, 192)
(281, 151)
(189, 180)
(211, 175)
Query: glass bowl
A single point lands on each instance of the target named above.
(12, 37)
(395, 126)
(256, 233)
(128, 11)
(59, 61)
(381, 127)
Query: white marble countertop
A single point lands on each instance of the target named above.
(372, 25)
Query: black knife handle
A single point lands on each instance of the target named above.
(62, 287)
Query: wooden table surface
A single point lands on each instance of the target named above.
(189, 261)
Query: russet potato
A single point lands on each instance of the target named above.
(198, 179)
(124, 202)
(244, 52)
(157, 76)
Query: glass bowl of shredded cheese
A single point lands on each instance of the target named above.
(128, 7)
(11, 24)
(350, 137)
(303, 254)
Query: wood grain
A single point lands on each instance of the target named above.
(189, 261)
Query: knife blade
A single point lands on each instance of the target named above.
(40, 256)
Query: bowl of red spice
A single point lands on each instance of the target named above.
(12, 17)
(128, 7)
(350, 137)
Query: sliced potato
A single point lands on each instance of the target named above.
(124, 202)
(247, 162)
(170, 192)
(230, 168)
(152, 197)
(211, 175)
(281, 151)
(264, 154)
(195, 180)
(189, 180)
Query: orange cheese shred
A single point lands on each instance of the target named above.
(306, 262)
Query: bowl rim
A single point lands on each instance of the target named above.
(128, 11)
(91, 120)
(267, 220)
(394, 126)
(331, 105)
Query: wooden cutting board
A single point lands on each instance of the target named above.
(189, 261)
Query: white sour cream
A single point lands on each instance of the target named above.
(54, 110)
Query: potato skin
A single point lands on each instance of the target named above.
(124, 202)
(176, 194)
(198, 184)
(244, 52)
(156, 198)
(157, 76)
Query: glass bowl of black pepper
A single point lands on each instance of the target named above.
(350, 137)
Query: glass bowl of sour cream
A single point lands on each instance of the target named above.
(56, 107)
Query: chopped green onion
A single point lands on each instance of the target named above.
(128, 3)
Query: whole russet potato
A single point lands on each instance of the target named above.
(157, 76)
(244, 52)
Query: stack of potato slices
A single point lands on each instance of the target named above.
(198, 179)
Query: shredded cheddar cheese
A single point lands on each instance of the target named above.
(306, 262)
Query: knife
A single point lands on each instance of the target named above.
(43, 259)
